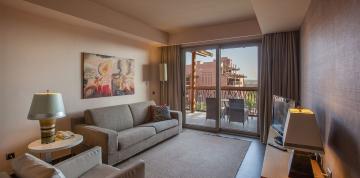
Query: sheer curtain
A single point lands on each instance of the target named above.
(279, 73)
(171, 91)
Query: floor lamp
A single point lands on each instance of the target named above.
(163, 80)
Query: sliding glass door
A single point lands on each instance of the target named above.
(239, 86)
(221, 87)
(200, 87)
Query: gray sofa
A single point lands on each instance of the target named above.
(125, 130)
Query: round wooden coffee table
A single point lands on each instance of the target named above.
(59, 144)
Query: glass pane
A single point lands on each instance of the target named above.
(200, 81)
(239, 82)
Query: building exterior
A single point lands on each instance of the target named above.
(205, 73)
(251, 83)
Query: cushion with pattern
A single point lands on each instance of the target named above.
(160, 113)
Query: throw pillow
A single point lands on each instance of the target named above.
(29, 166)
(160, 113)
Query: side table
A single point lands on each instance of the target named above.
(59, 144)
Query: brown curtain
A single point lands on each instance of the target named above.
(171, 91)
(279, 73)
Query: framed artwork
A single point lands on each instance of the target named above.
(104, 76)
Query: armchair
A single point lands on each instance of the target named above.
(87, 164)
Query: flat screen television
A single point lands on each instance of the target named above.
(280, 107)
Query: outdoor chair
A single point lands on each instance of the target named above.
(237, 111)
(211, 108)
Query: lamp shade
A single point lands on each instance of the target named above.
(163, 72)
(302, 132)
(46, 106)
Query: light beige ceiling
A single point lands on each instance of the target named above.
(280, 15)
(174, 15)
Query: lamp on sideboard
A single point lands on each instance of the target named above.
(302, 136)
(47, 107)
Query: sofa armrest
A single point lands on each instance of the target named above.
(79, 164)
(134, 170)
(177, 115)
(97, 136)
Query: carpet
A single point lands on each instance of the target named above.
(194, 154)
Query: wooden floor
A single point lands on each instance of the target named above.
(199, 118)
(252, 163)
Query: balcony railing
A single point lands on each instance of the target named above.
(249, 94)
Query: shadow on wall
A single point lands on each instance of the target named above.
(345, 146)
(321, 120)
(145, 72)
(71, 119)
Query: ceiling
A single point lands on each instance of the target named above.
(176, 15)
(179, 21)
(280, 15)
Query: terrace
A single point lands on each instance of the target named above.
(196, 107)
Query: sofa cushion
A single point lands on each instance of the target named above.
(101, 170)
(116, 118)
(28, 166)
(161, 125)
(134, 135)
(160, 113)
(141, 112)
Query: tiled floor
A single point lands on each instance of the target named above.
(199, 118)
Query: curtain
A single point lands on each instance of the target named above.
(279, 73)
(170, 91)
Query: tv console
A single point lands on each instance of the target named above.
(276, 161)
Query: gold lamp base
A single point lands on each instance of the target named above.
(47, 127)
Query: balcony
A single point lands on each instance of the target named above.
(195, 100)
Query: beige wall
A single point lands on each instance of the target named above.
(38, 53)
(330, 85)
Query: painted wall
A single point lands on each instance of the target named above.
(330, 85)
(39, 53)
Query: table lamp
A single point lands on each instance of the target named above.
(47, 107)
(302, 135)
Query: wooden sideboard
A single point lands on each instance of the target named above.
(276, 162)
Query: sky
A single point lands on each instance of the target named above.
(245, 58)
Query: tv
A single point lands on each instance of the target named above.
(280, 107)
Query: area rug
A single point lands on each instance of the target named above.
(194, 154)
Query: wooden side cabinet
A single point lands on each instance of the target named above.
(276, 162)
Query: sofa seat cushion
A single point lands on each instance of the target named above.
(134, 135)
(101, 170)
(161, 125)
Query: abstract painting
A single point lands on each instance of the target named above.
(105, 76)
